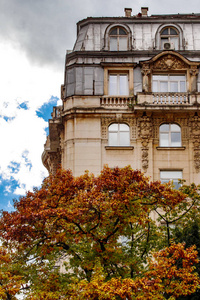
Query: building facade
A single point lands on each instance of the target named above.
(131, 96)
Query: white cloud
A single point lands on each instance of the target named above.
(22, 132)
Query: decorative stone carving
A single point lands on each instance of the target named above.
(169, 62)
(195, 136)
(146, 71)
(193, 77)
(104, 126)
(145, 133)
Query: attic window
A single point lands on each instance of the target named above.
(118, 39)
(169, 38)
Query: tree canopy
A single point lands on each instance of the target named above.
(113, 236)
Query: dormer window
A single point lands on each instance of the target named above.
(118, 38)
(169, 38)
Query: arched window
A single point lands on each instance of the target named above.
(118, 39)
(169, 38)
(118, 134)
(170, 135)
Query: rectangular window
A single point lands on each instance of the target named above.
(169, 84)
(118, 84)
(174, 176)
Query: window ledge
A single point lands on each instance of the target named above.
(119, 147)
(170, 148)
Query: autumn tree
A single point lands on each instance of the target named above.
(73, 222)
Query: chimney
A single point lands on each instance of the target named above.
(128, 12)
(144, 11)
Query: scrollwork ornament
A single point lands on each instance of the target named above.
(145, 133)
(197, 160)
(195, 136)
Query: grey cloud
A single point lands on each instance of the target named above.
(45, 29)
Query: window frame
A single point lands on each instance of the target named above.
(169, 80)
(169, 133)
(108, 70)
(169, 37)
(118, 36)
(174, 180)
(118, 132)
(117, 85)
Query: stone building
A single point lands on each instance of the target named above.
(131, 96)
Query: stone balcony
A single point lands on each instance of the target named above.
(152, 100)
(168, 99)
(117, 102)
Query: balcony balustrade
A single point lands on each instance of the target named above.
(170, 98)
(117, 102)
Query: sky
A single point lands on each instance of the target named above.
(34, 37)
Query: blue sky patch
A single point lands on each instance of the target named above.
(14, 167)
(7, 188)
(23, 105)
(27, 161)
(7, 119)
(47, 108)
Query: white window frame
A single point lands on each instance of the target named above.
(118, 36)
(169, 134)
(169, 38)
(115, 88)
(115, 129)
(171, 175)
(179, 79)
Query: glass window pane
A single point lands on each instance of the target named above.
(164, 139)
(175, 139)
(164, 127)
(113, 31)
(123, 127)
(175, 127)
(164, 181)
(165, 31)
(173, 31)
(176, 184)
(173, 87)
(122, 43)
(113, 43)
(171, 175)
(124, 139)
(122, 31)
(112, 137)
(164, 86)
(123, 84)
(112, 84)
(160, 77)
(113, 127)
(182, 86)
(155, 86)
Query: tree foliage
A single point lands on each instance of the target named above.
(102, 231)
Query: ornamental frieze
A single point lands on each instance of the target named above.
(169, 62)
(145, 133)
(195, 136)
